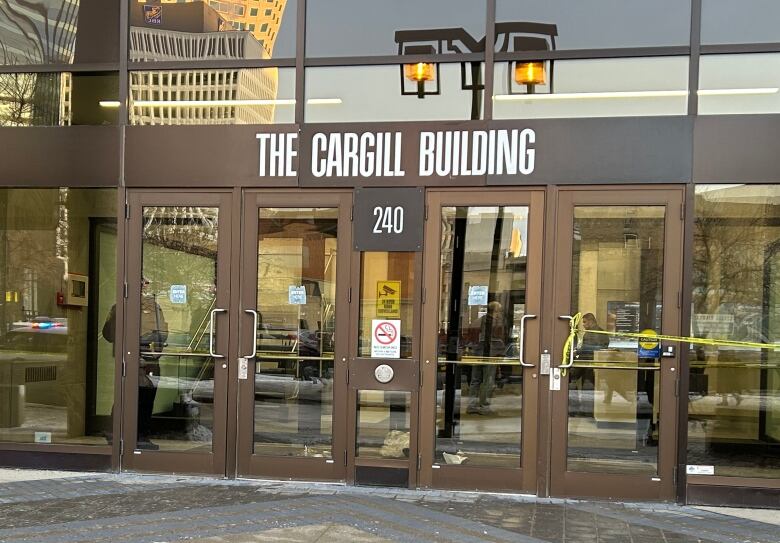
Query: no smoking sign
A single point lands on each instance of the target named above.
(385, 338)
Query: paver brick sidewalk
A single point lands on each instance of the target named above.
(148, 508)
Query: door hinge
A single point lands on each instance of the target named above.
(677, 388)
(345, 457)
(121, 447)
(127, 210)
(424, 293)
(674, 476)
(124, 367)
(679, 299)
(426, 213)
(682, 211)
(349, 295)
(419, 462)
(124, 290)
(352, 213)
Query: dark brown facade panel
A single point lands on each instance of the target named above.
(193, 156)
(76, 156)
(606, 150)
(97, 38)
(733, 496)
(62, 461)
(738, 148)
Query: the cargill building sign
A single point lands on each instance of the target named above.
(390, 154)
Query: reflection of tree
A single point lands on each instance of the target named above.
(730, 242)
(28, 99)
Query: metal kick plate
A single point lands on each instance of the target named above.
(544, 364)
(243, 368)
(555, 379)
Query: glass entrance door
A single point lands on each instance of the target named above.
(384, 376)
(617, 273)
(176, 338)
(292, 369)
(481, 339)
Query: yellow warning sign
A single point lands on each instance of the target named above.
(388, 299)
(647, 343)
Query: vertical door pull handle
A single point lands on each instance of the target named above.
(521, 347)
(256, 320)
(211, 332)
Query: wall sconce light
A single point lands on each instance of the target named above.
(420, 73)
(530, 74)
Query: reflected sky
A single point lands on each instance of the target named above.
(605, 23)
(373, 93)
(367, 27)
(746, 21)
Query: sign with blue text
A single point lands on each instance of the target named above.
(178, 294)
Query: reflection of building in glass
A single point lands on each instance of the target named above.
(38, 31)
(261, 19)
(193, 31)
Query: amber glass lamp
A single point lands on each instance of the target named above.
(420, 73)
(530, 74)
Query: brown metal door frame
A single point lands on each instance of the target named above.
(311, 468)
(169, 461)
(361, 376)
(568, 483)
(443, 476)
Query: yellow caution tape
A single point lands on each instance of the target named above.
(574, 326)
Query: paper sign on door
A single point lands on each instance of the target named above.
(385, 338)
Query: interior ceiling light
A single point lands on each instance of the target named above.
(634, 94)
(212, 103)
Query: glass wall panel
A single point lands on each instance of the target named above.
(59, 31)
(58, 99)
(384, 276)
(617, 281)
(383, 423)
(594, 24)
(748, 83)
(194, 30)
(615, 87)
(385, 93)
(178, 292)
(296, 305)
(479, 396)
(57, 331)
(734, 392)
(337, 28)
(746, 21)
(212, 96)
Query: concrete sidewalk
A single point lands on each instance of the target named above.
(39, 506)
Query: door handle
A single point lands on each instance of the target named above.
(571, 347)
(211, 332)
(256, 320)
(521, 347)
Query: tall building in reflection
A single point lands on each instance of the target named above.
(38, 31)
(198, 30)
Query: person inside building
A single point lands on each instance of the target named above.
(491, 343)
(153, 335)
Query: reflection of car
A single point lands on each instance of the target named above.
(268, 387)
(32, 356)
